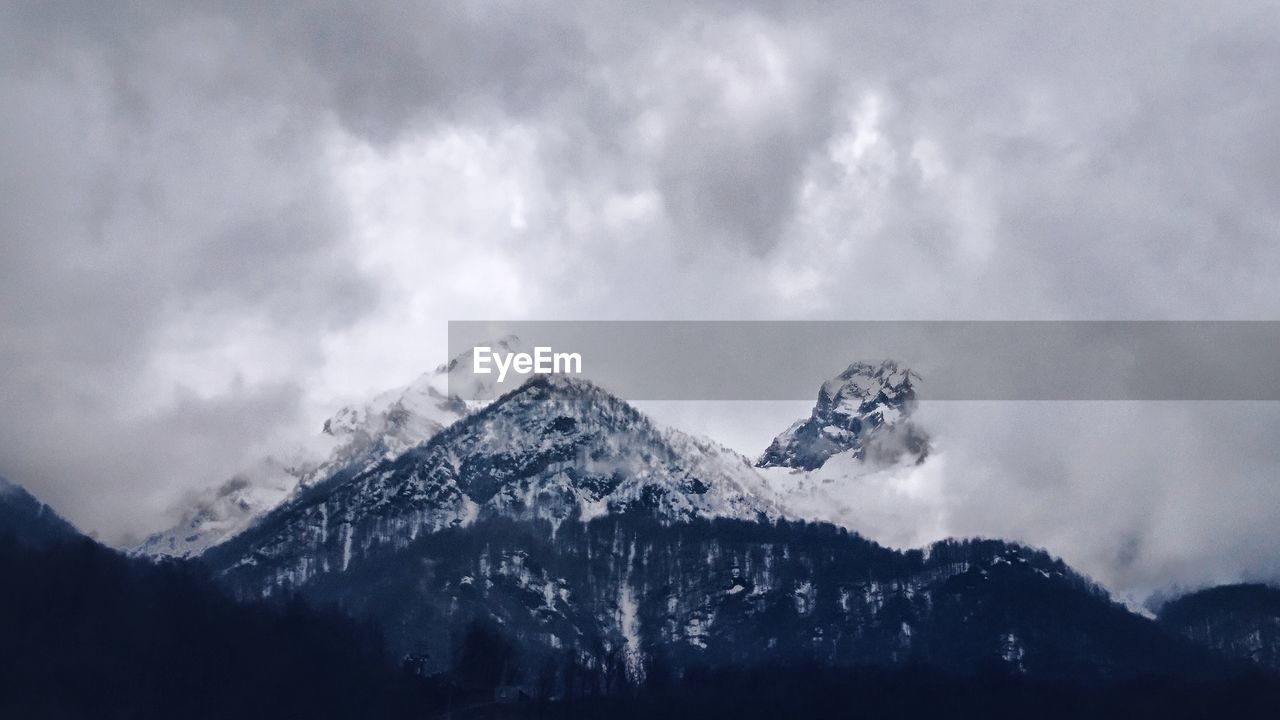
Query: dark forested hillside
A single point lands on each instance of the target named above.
(87, 633)
(28, 520)
(627, 592)
(1241, 621)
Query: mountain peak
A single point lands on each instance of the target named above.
(552, 387)
(866, 379)
(558, 447)
(864, 410)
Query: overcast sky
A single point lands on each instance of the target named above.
(221, 221)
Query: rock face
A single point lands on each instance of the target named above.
(1238, 621)
(30, 521)
(864, 411)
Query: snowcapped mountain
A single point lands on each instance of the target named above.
(554, 449)
(864, 412)
(560, 448)
(354, 439)
(862, 416)
(28, 520)
(585, 531)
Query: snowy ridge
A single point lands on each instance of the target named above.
(386, 426)
(354, 439)
(219, 513)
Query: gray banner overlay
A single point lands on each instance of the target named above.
(967, 360)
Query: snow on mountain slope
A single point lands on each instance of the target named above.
(404, 416)
(555, 449)
(354, 439)
(221, 512)
(385, 427)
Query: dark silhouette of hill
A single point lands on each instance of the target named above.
(26, 518)
(1240, 621)
(88, 633)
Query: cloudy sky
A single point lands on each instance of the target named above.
(221, 221)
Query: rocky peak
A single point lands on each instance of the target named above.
(865, 411)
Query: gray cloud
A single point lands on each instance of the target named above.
(240, 210)
(153, 210)
(1141, 495)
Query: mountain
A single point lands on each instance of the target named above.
(863, 412)
(594, 538)
(558, 542)
(1241, 621)
(28, 520)
(554, 449)
(359, 436)
(352, 440)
